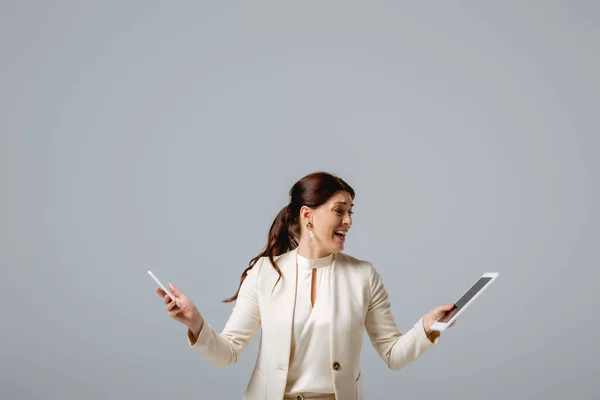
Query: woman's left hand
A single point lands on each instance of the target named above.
(432, 316)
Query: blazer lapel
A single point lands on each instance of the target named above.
(284, 295)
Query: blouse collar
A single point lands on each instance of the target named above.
(310, 263)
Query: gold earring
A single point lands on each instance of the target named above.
(309, 225)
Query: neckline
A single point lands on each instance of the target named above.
(310, 263)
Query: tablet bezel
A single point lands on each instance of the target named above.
(441, 326)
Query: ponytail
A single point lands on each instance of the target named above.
(282, 238)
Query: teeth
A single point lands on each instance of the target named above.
(340, 233)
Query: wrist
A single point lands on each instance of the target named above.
(196, 324)
(431, 334)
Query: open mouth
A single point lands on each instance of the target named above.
(340, 235)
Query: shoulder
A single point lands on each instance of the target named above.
(254, 272)
(349, 260)
(363, 268)
(266, 271)
(356, 265)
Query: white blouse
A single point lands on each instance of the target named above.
(310, 370)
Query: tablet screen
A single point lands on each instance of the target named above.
(464, 299)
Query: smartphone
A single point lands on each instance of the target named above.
(163, 287)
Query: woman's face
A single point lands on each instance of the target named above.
(330, 222)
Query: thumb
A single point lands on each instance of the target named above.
(174, 290)
(445, 308)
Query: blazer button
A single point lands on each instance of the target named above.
(336, 366)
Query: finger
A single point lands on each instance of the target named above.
(167, 299)
(171, 305)
(446, 307)
(174, 290)
(174, 312)
(160, 292)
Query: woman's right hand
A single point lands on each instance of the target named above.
(186, 313)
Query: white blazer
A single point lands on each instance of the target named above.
(359, 301)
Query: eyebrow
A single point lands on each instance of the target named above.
(342, 202)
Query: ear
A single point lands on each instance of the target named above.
(305, 213)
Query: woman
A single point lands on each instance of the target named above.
(313, 303)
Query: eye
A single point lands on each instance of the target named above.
(340, 211)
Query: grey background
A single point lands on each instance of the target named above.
(166, 135)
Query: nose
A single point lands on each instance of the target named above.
(347, 220)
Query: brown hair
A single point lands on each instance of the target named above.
(312, 191)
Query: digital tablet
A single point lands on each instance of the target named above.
(463, 302)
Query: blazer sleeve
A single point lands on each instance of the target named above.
(225, 348)
(395, 348)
